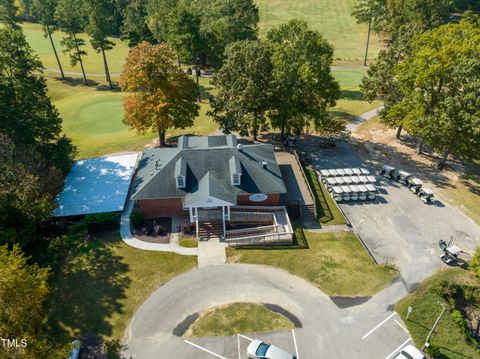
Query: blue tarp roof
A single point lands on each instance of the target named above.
(96, 185)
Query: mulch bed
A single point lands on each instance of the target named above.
(147, 233)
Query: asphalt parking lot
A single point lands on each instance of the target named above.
(398, 227)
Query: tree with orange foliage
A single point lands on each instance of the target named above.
(159, 94)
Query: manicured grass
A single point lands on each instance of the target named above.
(102, 284)
(237, 318)
(427, 307)
(92, 62)
(331, 17)
(189, 242)
(335, 262)
(93, 119)
(327, 210)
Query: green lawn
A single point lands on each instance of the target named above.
(331, 17)
(188, 242)
(102, 284)
(328, 212)
(93, 62)
(427, 307)
(236, 318)
(92, 118)
(335, 262)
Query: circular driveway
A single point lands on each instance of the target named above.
(327, 331)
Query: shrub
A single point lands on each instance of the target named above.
(77, 228)
(136, 218)
(187, 228)
(101, 222)
(474, 264)
(433, 351)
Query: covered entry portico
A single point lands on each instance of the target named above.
(209, 203)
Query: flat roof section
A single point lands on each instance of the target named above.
(96, 185)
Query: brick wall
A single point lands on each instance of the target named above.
(165, 207)
(273, 199)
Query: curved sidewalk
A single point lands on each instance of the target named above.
(129, 239)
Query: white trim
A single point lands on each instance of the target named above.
(210, 201)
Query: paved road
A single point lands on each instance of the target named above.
(398, 226)
(327, 331)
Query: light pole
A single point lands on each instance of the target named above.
(197, 59)
(433, 328)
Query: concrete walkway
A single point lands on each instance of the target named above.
(129, 239)
(211, 253)
(362, 118)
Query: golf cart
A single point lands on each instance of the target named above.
(415, 184)
(346, 193)
(386, 171)
(333, 172)
(330, 181)
(403, 177)
(337, 193)
(341, 172)
(372, 191)
(425, 195)
(363, 179)
(363, 192)
(365, 172)
(324, 173)
(355, 192)
(290, 143)
(450, 252)
(371, 179)
(348, 171)
(340, 180)
(357, 171)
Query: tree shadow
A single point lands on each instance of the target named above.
(88, 289)
(377, 154)
(342, 115)
(351, 95)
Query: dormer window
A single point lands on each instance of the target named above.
(235, 171)
(236, 179)
(181, 173)
(180, 182)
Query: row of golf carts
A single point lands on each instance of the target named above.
(349, 184)
(407, 179)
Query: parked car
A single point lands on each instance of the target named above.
(409, 352)
(75, 351)
(262, 350)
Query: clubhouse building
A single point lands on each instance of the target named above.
(220, 186)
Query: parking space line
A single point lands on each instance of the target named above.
(295, 343)
(243, 336)
(238, 343)
(205, 350)
(379, 325)
(401, 326)
(398, 349)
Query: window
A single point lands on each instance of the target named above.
(180, 182)
(236, 179)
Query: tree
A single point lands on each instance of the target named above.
(8, 13)
(374, 13)
(69, 15)
(474, 264)
(159, 94)
(302, 84)
(440, 81)
(99, 26)
(244, 85)
(134, 26)
(183, 33)
(23, 291)
(35, 155)
(381, 84)
(26, 111)
(45, 12)
(225, 22)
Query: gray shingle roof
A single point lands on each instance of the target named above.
(209, 186)
(156, 171)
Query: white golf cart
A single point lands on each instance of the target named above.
(403, 177)
(426, 195)
(372, 191)
(415, 184)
